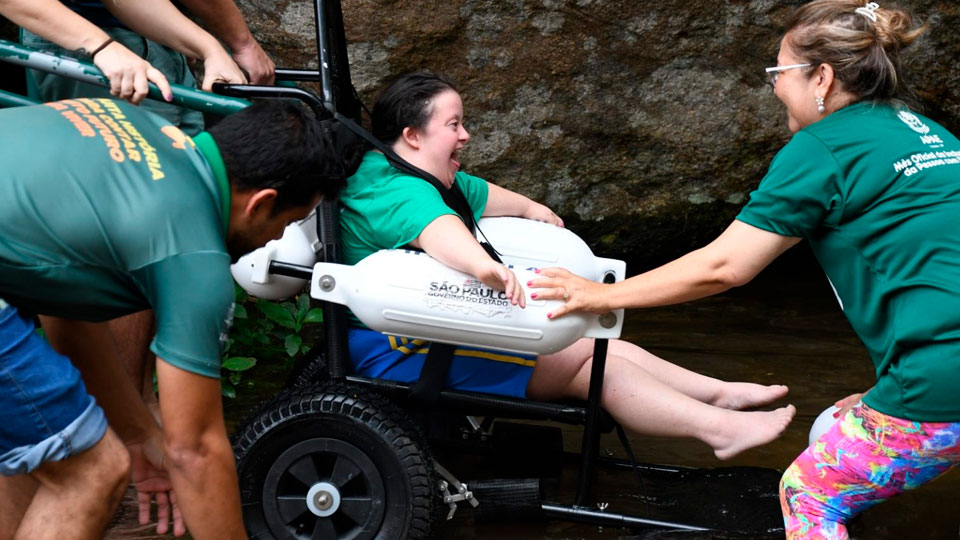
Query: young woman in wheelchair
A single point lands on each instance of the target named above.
(420, 117)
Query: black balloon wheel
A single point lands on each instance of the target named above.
(322, 489)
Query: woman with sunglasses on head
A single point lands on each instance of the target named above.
(875, 189)
(420, 117)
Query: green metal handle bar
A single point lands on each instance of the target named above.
(9, 99)
(33, 58)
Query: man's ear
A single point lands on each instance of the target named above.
(260, 201)
(411, 136)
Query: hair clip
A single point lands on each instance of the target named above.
(869, 11)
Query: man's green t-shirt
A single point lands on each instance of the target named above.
(876, 191)
(107, 210)
(385, 208)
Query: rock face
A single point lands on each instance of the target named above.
(645, 125)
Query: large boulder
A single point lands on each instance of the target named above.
(644, 124)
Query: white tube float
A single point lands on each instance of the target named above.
(409, 293)
(824, 422)
(298, 245)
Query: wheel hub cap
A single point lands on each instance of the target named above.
(323, 499)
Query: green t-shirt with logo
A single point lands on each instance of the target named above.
(385, 208)
(876, 191)
(107, 210)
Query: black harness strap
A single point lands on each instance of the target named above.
(433, 374)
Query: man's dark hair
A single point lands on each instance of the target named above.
(406, 103)
(281, 145)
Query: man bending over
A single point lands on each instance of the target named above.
(108, 210)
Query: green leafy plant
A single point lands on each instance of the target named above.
(266, 331)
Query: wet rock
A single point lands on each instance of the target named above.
(644, 124)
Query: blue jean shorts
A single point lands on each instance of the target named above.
(47, 413)
(474, 369)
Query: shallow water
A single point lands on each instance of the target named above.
(785, 328)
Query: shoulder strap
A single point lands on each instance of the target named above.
(452, 197)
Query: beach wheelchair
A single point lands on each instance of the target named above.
(339, 456)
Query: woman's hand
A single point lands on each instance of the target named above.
(501, 278)
(129, 74)
(578, 294)
(539, 212)
(846, 404)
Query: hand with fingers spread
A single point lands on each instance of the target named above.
(152, 483)
(501, 278)
(129, 74)
(847, 403)
(577, 293)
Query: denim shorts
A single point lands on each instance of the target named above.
(47, 413)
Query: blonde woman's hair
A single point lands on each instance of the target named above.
(864, 54)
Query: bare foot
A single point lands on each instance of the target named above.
(744, 430)
(738, 396)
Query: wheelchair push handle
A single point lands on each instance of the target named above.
(184, 96)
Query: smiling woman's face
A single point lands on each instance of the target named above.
(796, 89)
(443, 137)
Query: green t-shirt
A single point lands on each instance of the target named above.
(385, 208)
(876, 191)
(107, 210)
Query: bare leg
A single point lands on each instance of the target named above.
(728, 395)
(644, 404)
(77, 497)
(132, 334)
(16, 492)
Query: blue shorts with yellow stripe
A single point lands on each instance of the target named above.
(473, 369)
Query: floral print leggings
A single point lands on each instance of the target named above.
(862, 460)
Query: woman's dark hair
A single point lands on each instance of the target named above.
(281, 145)
(406, 103)
(864, 53)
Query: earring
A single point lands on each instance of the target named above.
(820, 107)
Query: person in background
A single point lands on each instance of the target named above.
(169, 47)
(129, 74)
(874, 187)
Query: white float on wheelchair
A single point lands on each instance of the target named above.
(409, 293)
(298, 245)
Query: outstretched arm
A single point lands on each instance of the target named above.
(129, 74)
(224, 20)
(161, 21)
(503, 202)
(198, 455)
(450, 242)
(733, 259)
